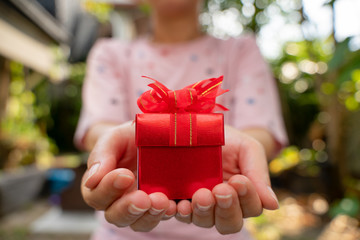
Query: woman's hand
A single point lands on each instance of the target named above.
(245, 192)
(109, 183)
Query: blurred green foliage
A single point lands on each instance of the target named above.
(22, 139)
(64, 102)
(318, 78)
(40, 118)
(253, 15)
(319, 83)
(346, 206)
(101, 10)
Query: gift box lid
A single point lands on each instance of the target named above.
(179, 129)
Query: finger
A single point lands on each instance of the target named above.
(171, 210)
(110, 147)
(228, 213)
(184, 211)
(128, 209)
(203, 208)
(269, 200)
(159, 205)
(110, 188)
(253, 164)
(249, 199)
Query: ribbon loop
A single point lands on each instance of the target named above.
(199, 97)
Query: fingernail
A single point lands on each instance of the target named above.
(136, 210)
(122, 181)
(168, 216)
(92, 171)
(273, 195)
(242, 190)
(183, 215)
(154, 211)
(203, 208)
(224, 201)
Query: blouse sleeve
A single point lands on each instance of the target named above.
(255, 100)
(103, 94)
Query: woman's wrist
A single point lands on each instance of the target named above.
(265, 138)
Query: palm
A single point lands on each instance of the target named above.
(231, 152)
(128, 158)
(240, 154)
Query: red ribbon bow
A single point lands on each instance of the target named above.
(198, 97)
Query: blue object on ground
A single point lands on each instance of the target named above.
(60, 179)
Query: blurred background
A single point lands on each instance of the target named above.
(313, 47)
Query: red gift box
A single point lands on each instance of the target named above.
(179, 153)
(179, 140)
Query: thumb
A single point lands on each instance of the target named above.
(108, 150)
(267, 195)
(253, 164)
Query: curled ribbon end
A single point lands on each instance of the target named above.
(148, 78)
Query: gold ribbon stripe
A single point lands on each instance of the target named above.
(210, 88)
(141, 103)
(191, 97)
(160, 89)
(193, 86)
(151, 91)
(190, 130)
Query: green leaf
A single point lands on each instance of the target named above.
(341, 52)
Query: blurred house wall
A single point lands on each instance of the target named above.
(29, 34)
